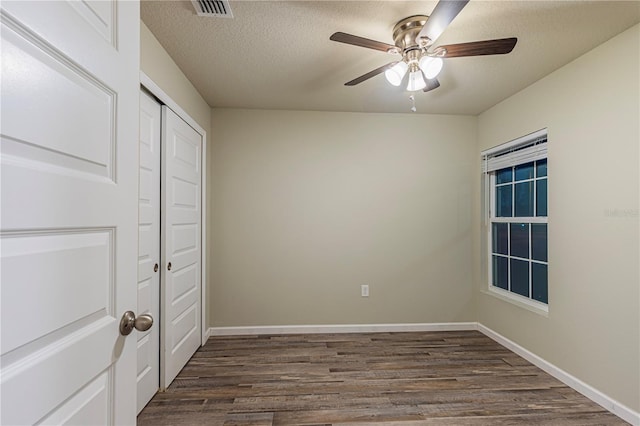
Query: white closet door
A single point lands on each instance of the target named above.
(181, 223)
(69, 188)
(149, 247)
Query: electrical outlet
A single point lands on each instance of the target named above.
(364, 290)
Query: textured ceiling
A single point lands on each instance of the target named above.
(277, 54)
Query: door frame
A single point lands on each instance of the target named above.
(155, 90)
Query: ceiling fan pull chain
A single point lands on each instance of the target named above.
(413, 103)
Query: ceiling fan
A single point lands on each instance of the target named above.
(414, 38)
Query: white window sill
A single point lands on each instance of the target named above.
(522, 302)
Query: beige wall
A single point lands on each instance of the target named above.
(310, 205)
(591, 109)
(156, 63)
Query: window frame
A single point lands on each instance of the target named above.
(491, 210)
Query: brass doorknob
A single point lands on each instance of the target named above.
(169, 266)
(129, 321)
(155, 268)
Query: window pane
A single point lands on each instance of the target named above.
(520, 240)
(541, 168)
(524, 199)
(520, 277)
(539, 283)
(503, 201)
(541, 197)
(524, 171)
(500, 238)
(539, 241)
(501, 272)
(504, 175)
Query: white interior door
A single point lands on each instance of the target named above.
(149, 247)
(181, 223)
(69, 185)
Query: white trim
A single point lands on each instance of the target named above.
(513, 158)
(207, 334)
(156, 91)
(151, 86)
(340, 328)
(590, 392)
(518, 300)
(520, 219)
(521, 140)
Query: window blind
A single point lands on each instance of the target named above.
(522, 150)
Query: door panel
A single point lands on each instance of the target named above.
(91, 403)
(149, 247)
(99, 14)
(84, 96)
(56, 255)
(181, 217)
(68, 177)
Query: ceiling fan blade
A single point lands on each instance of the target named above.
(370, 74)
(478, 48)
(431, 84)
(363, 42)
(443, 14)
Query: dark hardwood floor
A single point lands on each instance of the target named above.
(391, 379)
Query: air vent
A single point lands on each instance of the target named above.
(213, 8)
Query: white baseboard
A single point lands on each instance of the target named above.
(590, 392)
(350, 328)
(207, 334)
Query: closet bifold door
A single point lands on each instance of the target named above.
(148, 372)
(181, 244)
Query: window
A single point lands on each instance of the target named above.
(516, 200)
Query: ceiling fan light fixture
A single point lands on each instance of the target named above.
(416, 81)
(395, 74)
(414, 38)
(431, 66)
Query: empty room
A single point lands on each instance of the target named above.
(298, 212)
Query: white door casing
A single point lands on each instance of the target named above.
(149, 248)
(181, 241)
(68, 240)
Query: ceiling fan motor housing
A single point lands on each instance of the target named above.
(406, 31)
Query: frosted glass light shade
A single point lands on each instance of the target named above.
(396, 73)
(416, 81)
(431, 66)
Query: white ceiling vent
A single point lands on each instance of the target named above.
(213, 8)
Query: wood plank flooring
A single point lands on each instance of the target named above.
(390, 379)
